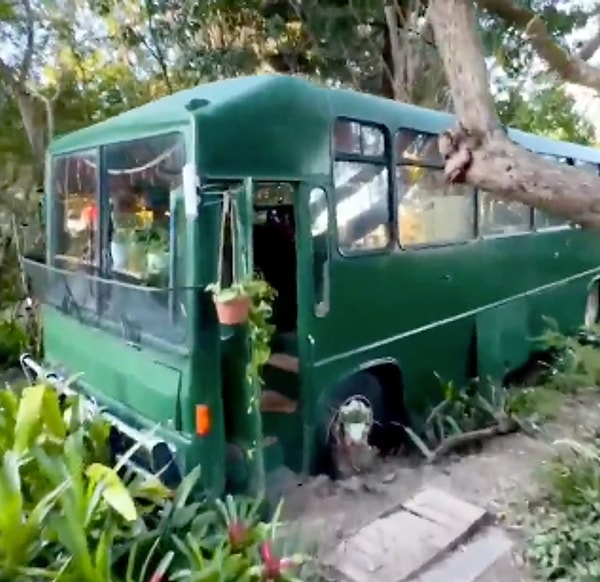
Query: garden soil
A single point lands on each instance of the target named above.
(502, 476)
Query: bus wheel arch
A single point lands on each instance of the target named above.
(592, 304)
(376, 388)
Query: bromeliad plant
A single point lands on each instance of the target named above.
(67, 515)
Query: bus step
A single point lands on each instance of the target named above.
(284, 362)
(272, 401)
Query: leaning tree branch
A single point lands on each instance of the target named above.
(462, 439)
(479, 151)
(454, 24)
(573, 68)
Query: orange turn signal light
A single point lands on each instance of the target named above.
(202, 419)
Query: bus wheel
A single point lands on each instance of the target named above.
(354, 426)
(592, 307)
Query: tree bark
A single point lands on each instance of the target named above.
(479, 150)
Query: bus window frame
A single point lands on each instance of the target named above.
(559, 227)
(385, 160)
(51, 217)
(398, 161)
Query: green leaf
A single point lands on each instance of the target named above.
(29, 417)
(104, 553)
(11, 502)
(151, 488)
(52, 415)
(114, 491)
(186, 487)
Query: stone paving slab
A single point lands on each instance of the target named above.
(400, 546)
(469, 562)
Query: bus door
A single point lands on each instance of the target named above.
(313, 296)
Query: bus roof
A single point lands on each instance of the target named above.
(169, 111)
(174, 110)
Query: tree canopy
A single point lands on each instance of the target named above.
(68, 63)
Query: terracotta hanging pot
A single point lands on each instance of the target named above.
(234, 311)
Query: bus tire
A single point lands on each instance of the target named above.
(362, 386)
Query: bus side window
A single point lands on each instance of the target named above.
(541, 219)
(502, 217)
(74, 207)
(361, 177)
(319, 227)
(430, 211)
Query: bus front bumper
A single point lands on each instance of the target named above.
(141, 452)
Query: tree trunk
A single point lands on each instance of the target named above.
(35, 134)
(479, 151)
(387, 59)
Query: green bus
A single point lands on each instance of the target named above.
(386, 274)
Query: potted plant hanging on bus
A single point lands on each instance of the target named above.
(232, 302)
(119, 248)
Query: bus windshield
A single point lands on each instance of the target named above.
(117, 238)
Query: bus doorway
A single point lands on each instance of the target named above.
(274, 246)
(271, 226)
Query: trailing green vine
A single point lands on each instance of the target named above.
(260, 331)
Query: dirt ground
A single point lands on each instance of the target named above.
(502, 477)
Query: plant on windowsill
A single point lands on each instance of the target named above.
(157, 257)
(137, 259)
(119, 247)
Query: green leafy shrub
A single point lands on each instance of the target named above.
(11, 289)
(13, 341)
(535, 404)
(67, 515)
(575, 362)
(564, 542)
(565, 546)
